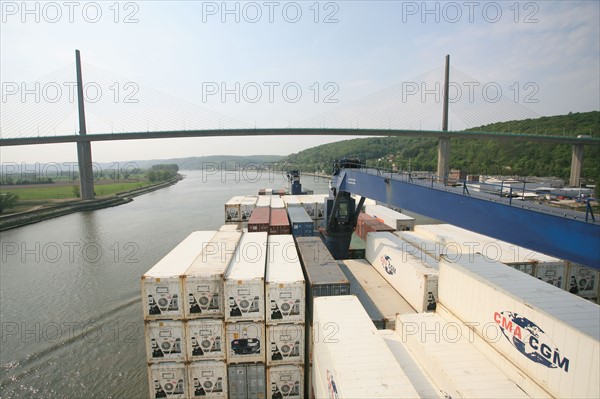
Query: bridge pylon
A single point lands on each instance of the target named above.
(84, 149)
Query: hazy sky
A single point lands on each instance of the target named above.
(154, 65)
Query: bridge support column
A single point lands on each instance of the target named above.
(84, 149)
(443, 158)
(576, 163)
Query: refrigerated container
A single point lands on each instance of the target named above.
(285, 381)
(279, 223)
(232, 209)
(259, 220)
(309, 204)
(353, 360)
(246, 381)
(291, 201)
(162, 288)
(457, 367)
(264, 201)
(244, 292)
(380, 300)
(167, 380)
(203, 280)
(583, 281)
(207, 379)
(230, 227)
(301, 224)
(245, 342)
(165, 341)
(284, 282)
(277, 203)
(397, 220)
(247, 206)
(205, 339)
(549, 334)
(414, 277)
(320, 200)
(285, 344)
(268, 191)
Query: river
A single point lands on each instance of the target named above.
(70, 305)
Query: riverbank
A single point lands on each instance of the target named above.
(19, 219)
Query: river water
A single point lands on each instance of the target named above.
(70, 305)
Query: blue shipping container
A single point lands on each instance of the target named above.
(302, 224)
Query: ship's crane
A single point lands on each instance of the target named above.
(564, 234)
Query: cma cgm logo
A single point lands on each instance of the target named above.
(333, 393)
(386, 262)
(530, 340)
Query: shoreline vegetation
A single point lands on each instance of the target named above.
(51, 210)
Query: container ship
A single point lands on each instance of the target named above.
(312, 296)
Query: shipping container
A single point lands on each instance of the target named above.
(309, 203)
(583, 281)
(285, 344)
(284, 282)
(357, 247)
(259, 220)
(549, 334)
(207, 379)
(291, 201)
(161, 285)
(262, 191)
(320, 200)
(285, 382)
(353, 360)
(277, 203)
(414, 278)
(246, 381)
(230, 227)
(368, 224)
(245, 280)
(165, 341)
(458, 368)
(279, 223)
(247, 206)
(368, 201)
(203, 280)
(380, 300)
(397, 220)
(302, 225)
(424, 385)
(268, 191)
(264, 201)
(245, 342)
(205, 339)
(232, 209)
(167, 380)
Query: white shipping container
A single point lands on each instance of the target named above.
(396, 220)
(285, 288)
(247, 206)
(285, 344)
(291, 201)
(165, 341)
(230, 227)
(285, 382)
(320, 205)
(554, 274)
(161, 285)
(245, 280)
(277, 203)
(167, 380)
(583, 281)
(350, 359)
(205, 339)
(264, 201)
(203, 280)
(424, 385)
(245, 342)
(207, 379)
(456, 366)
(375, 294)
(551, 335)
(309, 203)
(233, 210)
(416, 280)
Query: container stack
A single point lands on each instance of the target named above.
(285, 319)
(413, 275)
(396, 220)
(301, 224)
(247, 206)
(245, 318)
(203, 288)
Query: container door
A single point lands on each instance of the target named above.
(237, 382)
(256, 381)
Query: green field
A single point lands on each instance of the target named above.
(66, 191)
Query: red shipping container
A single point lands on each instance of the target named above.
(259, 220)
(279, 223)
(360, 223)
